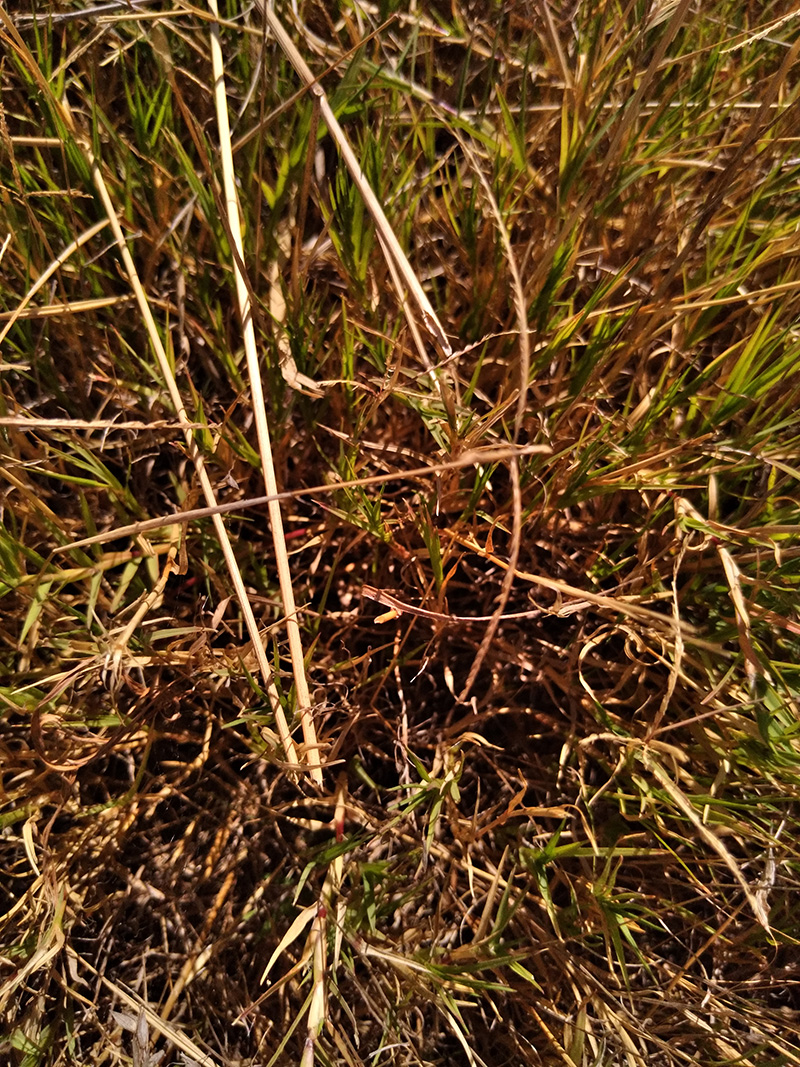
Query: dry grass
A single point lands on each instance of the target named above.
(535, 453)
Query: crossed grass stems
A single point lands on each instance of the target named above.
(562, 833)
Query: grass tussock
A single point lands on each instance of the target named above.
(509, 772)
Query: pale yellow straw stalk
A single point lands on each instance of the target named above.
(199, 465)
(391, 246)
(259, 409)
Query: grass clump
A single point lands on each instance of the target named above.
(535, 461)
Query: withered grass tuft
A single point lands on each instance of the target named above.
(547, 653)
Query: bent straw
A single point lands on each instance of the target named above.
(389, 242)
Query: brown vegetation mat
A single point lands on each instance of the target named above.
(549, 620)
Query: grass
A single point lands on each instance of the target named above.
(520, 784)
